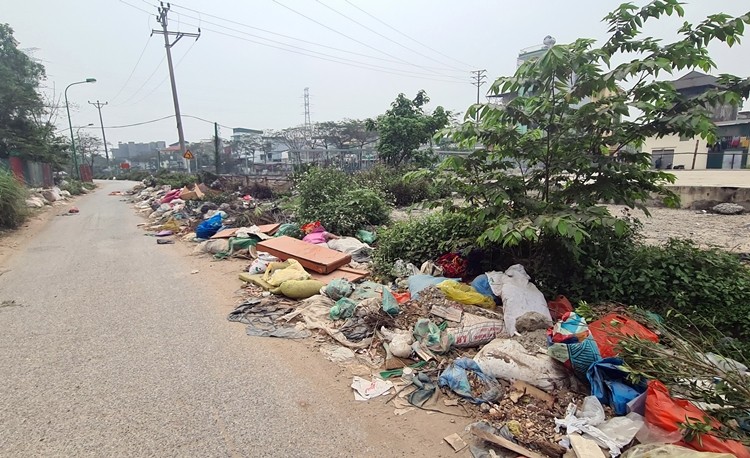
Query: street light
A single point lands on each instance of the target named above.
(70, 124)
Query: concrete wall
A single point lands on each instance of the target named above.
(705, 197)
(683, 150)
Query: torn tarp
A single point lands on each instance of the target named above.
(261, 317)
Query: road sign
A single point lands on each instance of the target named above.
(188, 155)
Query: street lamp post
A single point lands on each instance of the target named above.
(70, 124)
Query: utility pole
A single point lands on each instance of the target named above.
(308, 124)
(216, 147)
(99, 106)
(478, 80)
(162, 18)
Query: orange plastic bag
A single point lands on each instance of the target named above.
(402, 297)
(666, 413)
(559, 306)
(610, 329)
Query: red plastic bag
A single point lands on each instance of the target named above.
(666, 413)
(559, 307)
(609, 330)
(402, 297)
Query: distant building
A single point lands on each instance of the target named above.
(132, 150)
(732, 132)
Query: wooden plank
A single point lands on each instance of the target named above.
(342, 272)
(534, 392)
(225, 234)
(504, 443)
(314, 257)
(269, 229)
(455, 441)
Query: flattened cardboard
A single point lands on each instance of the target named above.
(313, 257)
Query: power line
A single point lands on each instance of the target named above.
(339, 60)
(383, 36)
(131, 72)
(132, 96)
(164, 80)
(310, 53)
(157, 120)
(203, 13)
(345, 35)
(407, 36)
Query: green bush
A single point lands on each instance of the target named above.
(422, 239)
(74, 187)
(340, 204)
(174, 179)
(134, 175)
(402, 192)
(13, 195)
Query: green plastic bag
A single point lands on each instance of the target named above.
(290, 230)
(366, 236)
(390, 305)
(432, 337)
(344, 308)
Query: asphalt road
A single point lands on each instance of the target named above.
(113, 349)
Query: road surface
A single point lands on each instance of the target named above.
(112, 348)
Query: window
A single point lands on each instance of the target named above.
(662, 158)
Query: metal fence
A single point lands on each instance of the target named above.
(31, 173)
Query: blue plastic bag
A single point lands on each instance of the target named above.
(482, 285)
(610, 385)
(209, 227)
(456, 377)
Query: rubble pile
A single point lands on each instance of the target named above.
(39, 197)
(530, 375)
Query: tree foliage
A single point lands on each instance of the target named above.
(405, 127)
(26, 120)
(569, 138)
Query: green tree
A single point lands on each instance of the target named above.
(405, 127)
(570, 137)
(20, 102)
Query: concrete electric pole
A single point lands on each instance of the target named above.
(162, 18)
(478, 80)
(308, 124)
(99, 106)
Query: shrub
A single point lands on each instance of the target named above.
(333, 198)
(74, 187)
(174, 179)
(422, 239)
(401, 191)
(13, 209)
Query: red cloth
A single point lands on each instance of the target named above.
(454, 266)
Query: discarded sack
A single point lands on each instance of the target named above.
(299, 289)
(509, 360)
(338, 288)
(279, 272)
(524, 306)
(465, 294)
(259, 265)
(559, 306)
(400, 342)
(667, 413)
(609, 330)
(456, 377)
(669, 451)
(212, 246)
(476, 330)
(343, 308)
(571, 344)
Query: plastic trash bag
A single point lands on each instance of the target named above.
(610, 385)
(366, 236)
(592, 411)
(259, 265)
(343, 308)
(611, 328)
(390, 305)
(456, 377)
(209, 227)
(667, 413)
(419, 282)
(338, 288)
(465, 294)
(431, 336)
(400, 341)
(521, 300)
(669, 451)
(482, 285)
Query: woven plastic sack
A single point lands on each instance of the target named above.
(279, 272)
(299, 289)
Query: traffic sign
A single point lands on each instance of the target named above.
(188, 155)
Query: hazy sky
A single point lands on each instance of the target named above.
(224, 77)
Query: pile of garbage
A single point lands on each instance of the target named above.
(39, 197)
(530, 375)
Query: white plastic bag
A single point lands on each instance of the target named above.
(523, 303)
(509, 360)
(400, 341)
(259, 265)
